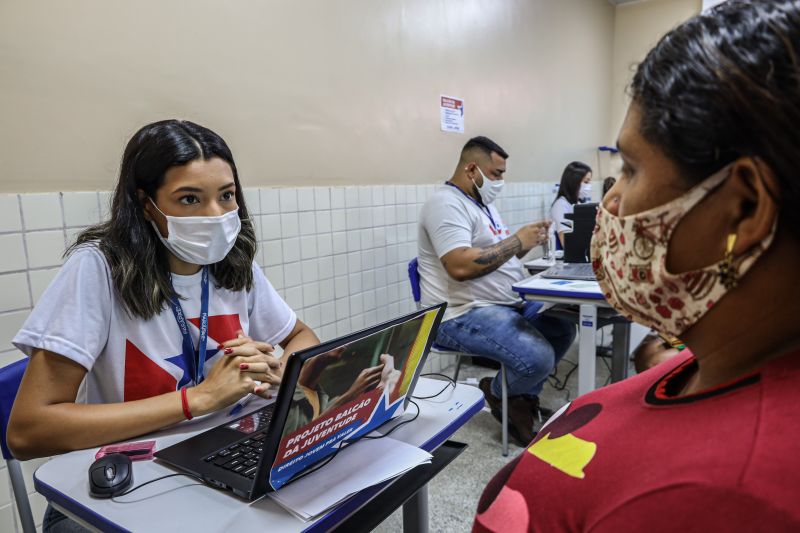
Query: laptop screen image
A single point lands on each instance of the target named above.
(350, 389)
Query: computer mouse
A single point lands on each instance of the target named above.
(110, 475)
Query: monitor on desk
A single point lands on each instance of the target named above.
(576, 243)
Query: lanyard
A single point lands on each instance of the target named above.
(484, 209)
(195, 365)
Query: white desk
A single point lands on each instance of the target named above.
(589, 299)
(181, 503)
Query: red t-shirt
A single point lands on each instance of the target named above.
(630, 457)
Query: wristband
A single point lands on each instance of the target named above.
(185, 403)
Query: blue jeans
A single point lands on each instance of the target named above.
(528, 343)
(57, 522)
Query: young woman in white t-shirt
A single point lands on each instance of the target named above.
(114, 342)
(575, 187)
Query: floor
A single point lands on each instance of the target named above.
(454, 493)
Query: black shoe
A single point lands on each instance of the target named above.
(520, 418)
(485, 362)
(542, 414)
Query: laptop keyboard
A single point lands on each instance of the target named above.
(581, 271)
(242, 456)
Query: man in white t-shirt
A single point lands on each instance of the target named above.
(470, 259)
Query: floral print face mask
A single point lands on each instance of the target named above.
(629, 257)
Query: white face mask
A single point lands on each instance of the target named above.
(200, 240)
(490, 189)
(586, 192)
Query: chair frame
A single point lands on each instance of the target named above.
(11, 379)
(414, 280)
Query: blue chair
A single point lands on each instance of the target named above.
(416, 292)
(10, 379)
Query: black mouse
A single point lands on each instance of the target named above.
(110, 475)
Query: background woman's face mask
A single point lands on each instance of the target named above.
(585, 193)
(629, 257)
(200, 240)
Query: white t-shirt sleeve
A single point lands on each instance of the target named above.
(557, 212)
(448, 226)
(271, 318)
(73, 316)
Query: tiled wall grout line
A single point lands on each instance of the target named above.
(25, 247)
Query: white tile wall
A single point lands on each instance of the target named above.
(5, 487)
(13, 256)
(45, 248)
(9, 213)
(337, 255)
(7, 518)
(81, 208)
(42, 211)
(14, 291)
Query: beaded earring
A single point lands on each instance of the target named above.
(727, 269)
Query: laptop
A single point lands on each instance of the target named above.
(337, 391)
(576, 263)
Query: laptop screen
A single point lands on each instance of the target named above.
(349, 390)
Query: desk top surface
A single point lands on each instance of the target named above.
(560, 290)
(184, 502)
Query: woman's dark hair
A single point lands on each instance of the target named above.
(724, 85)
(608, 183)
(138, 261)
(571, 178)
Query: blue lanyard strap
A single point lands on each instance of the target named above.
(484, 209)
(194, 364)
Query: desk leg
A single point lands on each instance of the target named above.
(620, 349)
(415, 512)
(587, 348)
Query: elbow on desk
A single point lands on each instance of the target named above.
(24, 442)
(20, 446)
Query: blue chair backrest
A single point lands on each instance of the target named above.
(413, 278)
(10, 378)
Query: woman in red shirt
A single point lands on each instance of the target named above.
(698, 239)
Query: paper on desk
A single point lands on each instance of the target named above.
(364, 463)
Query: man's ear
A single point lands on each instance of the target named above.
(145, 204)
(756, 210)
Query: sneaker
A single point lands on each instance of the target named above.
(520, 418)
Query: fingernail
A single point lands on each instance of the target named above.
(244, 366)
(221, 346)
(258, 390)
(269, 396)
(228, 351)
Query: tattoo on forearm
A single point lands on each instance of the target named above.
(493, 257)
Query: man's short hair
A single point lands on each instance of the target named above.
(483, 145)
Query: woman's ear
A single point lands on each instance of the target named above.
(755, 184)
(145, 204)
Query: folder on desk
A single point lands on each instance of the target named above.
(560, 287)
(356, 467)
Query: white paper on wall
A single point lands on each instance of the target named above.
(451, 114)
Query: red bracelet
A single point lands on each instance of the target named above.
(185, 402)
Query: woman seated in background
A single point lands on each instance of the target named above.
(114, 342)
(608, 183)
(698, 239)
(575, 187)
